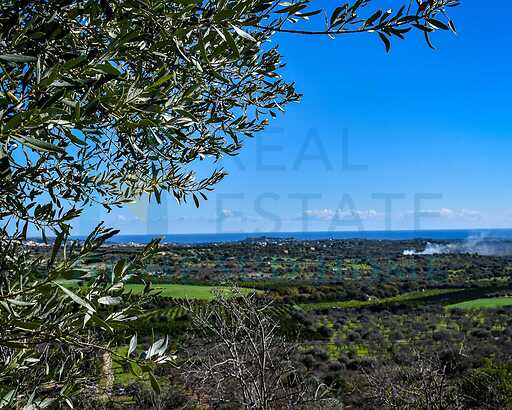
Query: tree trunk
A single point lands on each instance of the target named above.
(106, 383)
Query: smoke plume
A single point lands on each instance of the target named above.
(480, 245)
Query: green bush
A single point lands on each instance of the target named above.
(488, 388)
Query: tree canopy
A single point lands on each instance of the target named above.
(105, 100)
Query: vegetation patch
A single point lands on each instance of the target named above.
(484, 303)
(178, 291)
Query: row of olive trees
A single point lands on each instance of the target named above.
(102, 101)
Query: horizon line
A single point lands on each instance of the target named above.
(306, 232)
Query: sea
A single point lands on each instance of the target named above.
(206, 238)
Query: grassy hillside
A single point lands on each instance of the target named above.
(484, 303)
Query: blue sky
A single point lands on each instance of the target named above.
(428, 130)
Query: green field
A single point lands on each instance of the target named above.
(172, 290)
(485, 303)
(178, 291)
(417, 296)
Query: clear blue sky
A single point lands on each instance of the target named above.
(431, 128)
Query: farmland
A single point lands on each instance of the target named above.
(484, 303)
(351, 307)
(180, 291)
(171, 290)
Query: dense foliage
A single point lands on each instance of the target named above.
(104, 100)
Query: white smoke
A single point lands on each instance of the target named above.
(432, 249)
(480, 245)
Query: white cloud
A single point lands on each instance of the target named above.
(227, 213)
(125, 218)
(470, 214)
(327, 214)
(323, 214)
(446, 213)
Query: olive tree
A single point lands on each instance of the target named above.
(241, 361)
(421, 385)
(102, 101)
